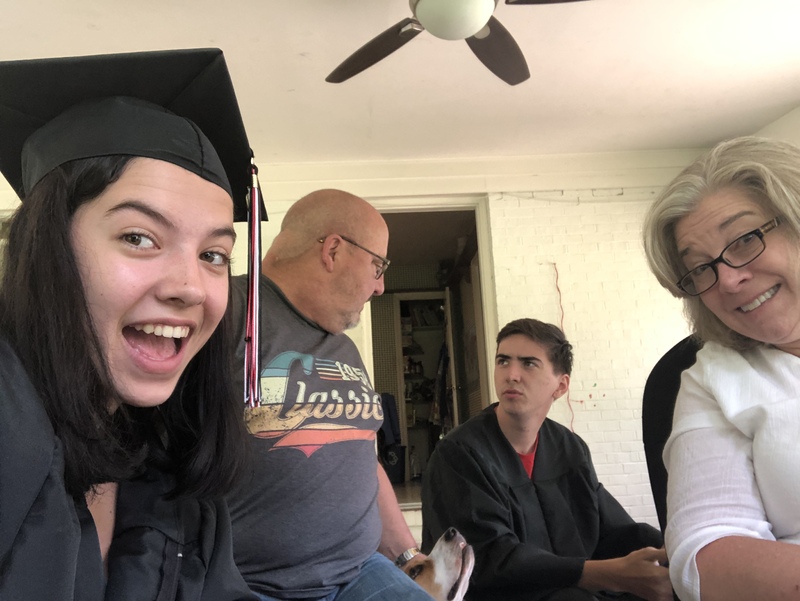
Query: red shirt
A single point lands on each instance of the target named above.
(529, 458)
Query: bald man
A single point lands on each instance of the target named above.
(317, 518)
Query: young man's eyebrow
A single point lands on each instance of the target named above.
(531, 358)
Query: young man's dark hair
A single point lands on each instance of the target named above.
(559, 350)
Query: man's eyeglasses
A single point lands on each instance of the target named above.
(381, 263)
(745, 249)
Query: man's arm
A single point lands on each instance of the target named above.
(396, 538)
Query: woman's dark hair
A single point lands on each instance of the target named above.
(204, 422)
(559, 350)
(197, 434)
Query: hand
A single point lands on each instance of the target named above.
(643, 575)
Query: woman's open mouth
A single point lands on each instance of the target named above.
(156, 341)
(760, 300)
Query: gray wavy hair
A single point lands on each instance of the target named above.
(767, 171)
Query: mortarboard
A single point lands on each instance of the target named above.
(60, 109)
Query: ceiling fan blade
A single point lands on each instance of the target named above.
(540, 1)
(500, 53)
(376, 50)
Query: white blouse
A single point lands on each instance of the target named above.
(734, 455)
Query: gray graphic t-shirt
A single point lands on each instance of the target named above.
(306, 518)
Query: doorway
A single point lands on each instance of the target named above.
(433, 253)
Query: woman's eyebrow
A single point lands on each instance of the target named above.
(733, 218)
(145, 209)
(730, 220)
(141, 207)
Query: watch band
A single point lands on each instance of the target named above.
(407, 554)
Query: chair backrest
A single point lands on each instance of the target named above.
(658, 404)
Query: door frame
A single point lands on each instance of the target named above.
(479, 203)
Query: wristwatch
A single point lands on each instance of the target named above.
(408, 554)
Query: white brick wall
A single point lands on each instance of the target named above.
(574, 258)
(413, 518)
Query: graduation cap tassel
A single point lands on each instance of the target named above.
(252, 388)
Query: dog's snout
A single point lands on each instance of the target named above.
(450, 534)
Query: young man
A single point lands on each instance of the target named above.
(318, 519)
(522, 490)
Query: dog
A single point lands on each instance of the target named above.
(445, 573)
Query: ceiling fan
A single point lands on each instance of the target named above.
(469, 20)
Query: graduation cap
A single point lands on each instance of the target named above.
(178, 106)
(174, 105)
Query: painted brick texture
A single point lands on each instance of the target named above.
(413, 518)
(575, 258)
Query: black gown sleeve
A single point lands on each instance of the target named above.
(619, 534)
(48, 543)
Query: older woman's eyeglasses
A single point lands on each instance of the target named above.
(745, 249)
(381, 263)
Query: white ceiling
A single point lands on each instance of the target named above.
(606, 75)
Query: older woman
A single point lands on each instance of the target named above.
(724, 236)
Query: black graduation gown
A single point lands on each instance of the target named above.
(171, 550)
(531, 536)
(48, 544)
(162, 551)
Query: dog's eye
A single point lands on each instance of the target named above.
(414, 572)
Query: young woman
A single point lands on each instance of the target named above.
(119, 428)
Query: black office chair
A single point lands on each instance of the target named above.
(658, 404)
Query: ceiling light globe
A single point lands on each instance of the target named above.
(454, 19)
